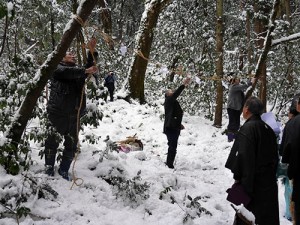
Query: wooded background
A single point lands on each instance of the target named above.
(208, 40)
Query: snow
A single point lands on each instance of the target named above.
(247, 214)
(199, 172)
(10, 7)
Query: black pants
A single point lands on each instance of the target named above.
(65, 125)
(172, 136)
(297, 213)
(296, 200)
(234, 120)
(111, 89)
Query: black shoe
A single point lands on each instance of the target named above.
(64, 174)
(49, 170)
(231, 136)
(170, 166)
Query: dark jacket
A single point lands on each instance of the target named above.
(290, 154)
(283, 138)
(110, 78)
(110, 81)
(236, 96)
(66, 87)
(173, 110)
(253, 161)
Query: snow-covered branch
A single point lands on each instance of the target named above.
(286, 39)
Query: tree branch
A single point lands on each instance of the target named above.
(286, 39)
(266, 48)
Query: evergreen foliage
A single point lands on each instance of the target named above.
(132, 191)
(15, 195)
(191, 206)
(184, 43)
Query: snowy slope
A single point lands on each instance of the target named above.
(199, 172)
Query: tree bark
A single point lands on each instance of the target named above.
(219, 64)
(261, 64)
(173, 68)
(143, 47)
(46, 70)
(260, 28)
(105, 15)
(4, 35)
(249, 45)
(287, 6)
(120, 23)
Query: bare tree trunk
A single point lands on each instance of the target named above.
(261, 64)
(249, 45)
(143, 47)
(219, 64)
(80, 48)
(105, 16)
(43, 74)
(260, 30)
(173, 68)
(120, 23)
(52, 31)
(4, 35)
(287, 7)
(263, 86)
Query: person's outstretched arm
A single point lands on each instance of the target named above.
(178, 91)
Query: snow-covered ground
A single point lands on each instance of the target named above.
(167, 194)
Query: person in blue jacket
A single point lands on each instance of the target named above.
(110, 80)
(173, 119)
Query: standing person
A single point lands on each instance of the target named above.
(110, 80)
(285, 180)
(253, 161)
(173, 119)
(235, 103)
(290, 155)
(67, 85)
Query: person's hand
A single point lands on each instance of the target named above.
(186, 81)
(92, 44)
(91, 70)
(253, 80)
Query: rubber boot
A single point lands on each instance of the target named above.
(64, 168)
(50, 156)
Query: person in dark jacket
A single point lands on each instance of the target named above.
(253, 160)
(290, 155)
(110, 80)
(173, 119)
(65, 100)
(285, 180)
(235, 105)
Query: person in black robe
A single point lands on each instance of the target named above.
(253, 160)
(290, 155)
